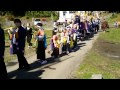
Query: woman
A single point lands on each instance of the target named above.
(41, 44)
(55, 44)
(29, 35)
(75, 35)
(64, 41)
(69, 40)
(105, 25)
(10, 31)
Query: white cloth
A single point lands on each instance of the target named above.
(40, 38)
(62, 36)
(74, 36)
(28, 28)
(14, 39)
(71, 25)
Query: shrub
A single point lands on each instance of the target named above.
(10, 18)
(113, 16)
(27, 17)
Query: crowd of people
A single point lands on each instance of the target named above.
(62, 41)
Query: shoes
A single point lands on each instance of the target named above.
(20, 68)
(43, 62)
(27, 68)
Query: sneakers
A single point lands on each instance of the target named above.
(43, 62)
(27, 68)
(20, 68)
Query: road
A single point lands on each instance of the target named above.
(62, 68)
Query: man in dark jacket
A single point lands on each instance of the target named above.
(20, 34)
(3, 71)
(29, 34)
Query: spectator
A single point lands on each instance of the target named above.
(3, 71)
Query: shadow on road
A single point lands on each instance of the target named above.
(23, 74)
(37, 69)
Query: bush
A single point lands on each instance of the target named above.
(27, 17)
(10, 18)
(113, 16)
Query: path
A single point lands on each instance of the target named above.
(58, 69)
(65, 69)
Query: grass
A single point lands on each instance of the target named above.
(97, 63)
(114, 18)
(112, 36)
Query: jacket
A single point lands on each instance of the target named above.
(20, 40)
(2, 42)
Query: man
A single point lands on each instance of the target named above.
(29, 35)
(18, 41)
(3, 71)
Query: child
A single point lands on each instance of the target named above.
(64, 41)
(75, 36)
(68, 40)
(55, 44)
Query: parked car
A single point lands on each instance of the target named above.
(37, 21)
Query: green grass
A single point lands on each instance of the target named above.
(112, 36)
(96, 63)
(114, 18)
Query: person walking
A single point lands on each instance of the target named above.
(29, 35)
(3, 71)
(18, 44)
(104, 25)
(41, 46)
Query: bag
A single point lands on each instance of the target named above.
(13, 49)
